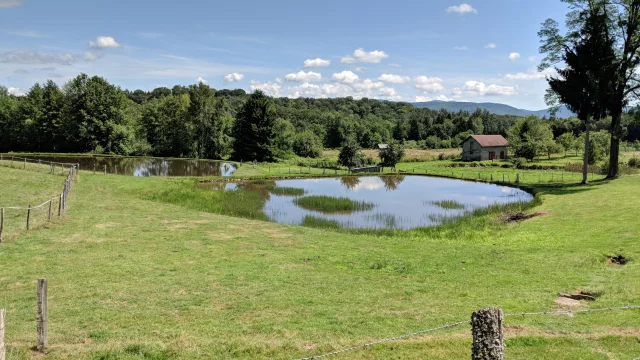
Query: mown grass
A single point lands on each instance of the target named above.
(449, 204)
(330, 204)
(131, 277)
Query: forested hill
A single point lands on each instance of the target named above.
(494, 108)
(88, 114)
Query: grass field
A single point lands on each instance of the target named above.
(137, 275)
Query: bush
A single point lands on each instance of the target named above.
(307, 144)
(634, 162)
(519, 162)
(350, 155)
(391, 155)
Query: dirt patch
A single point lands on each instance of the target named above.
(564, 301)
(277, 234)
(618, 259)
(106, 225)
(581, 295)
(519, 216)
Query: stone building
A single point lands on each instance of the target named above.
(484, 147)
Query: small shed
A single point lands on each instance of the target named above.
(485, 147)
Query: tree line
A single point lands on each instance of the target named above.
(90, 115)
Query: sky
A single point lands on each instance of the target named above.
(457, 50)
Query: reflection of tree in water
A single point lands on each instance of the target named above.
(391, 182)
(257, 187)
(350, 182)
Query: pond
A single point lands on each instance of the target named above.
(375, 202)
(143, 166)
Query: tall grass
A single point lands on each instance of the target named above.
(317, 222)
(449, 204)
(329, 204)
(240, 203)
(286, 191)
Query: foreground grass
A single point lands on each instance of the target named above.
(330, 204)
(21, 188)
(132, 276)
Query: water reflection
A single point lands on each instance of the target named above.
(401, 202)
(140, 166)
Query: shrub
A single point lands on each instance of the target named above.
(634, 162)
(307, 144)
(391, 155)
(519, 162)
(350, 155)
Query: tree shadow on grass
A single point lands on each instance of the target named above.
(568, 189)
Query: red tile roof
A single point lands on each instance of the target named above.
(490, 140)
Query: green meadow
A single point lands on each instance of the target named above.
(164, 268)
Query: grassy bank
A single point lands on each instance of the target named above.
(137, 275)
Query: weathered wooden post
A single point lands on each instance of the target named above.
(28, 216)
(50, 209)
(60, 205)
(105, 169)
(1, 223)
(25, 163)
(3, 346)
(42, 315)
(488, 336)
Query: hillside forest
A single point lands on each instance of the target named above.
(90, 115)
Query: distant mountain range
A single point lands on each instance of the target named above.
(495, 108)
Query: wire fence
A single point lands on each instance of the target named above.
(14, 219)
(456, 324)
(52, 167)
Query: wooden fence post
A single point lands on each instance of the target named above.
(50, 209)
(105, 169)
(60, 205)
(488, 336)
(43, 317)
(28, 216)
(3, 346)
(25, 163)
(1, 223)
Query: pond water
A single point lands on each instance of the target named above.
(399, 202)
(142, 166)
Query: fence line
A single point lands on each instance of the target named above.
(62, 200)
(400, 337)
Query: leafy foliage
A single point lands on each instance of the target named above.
(391, 155)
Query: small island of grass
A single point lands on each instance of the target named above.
(329, 204)
(287, 191)
(449, 204)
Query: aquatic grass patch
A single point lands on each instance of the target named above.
(321, 223)
(449, 204)
(287, 191)
(330, 204)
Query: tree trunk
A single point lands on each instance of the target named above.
(614, 153)
(585, 166)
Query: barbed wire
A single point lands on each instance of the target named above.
(387, 340)
(565, 312)
(556, 312)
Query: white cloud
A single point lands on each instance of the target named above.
(362, 56)
(103, 42)
(16, 91)
(19, 56)
(490, 46)
(200, 80)
(532, 58)
(514, 56)
(359, 69)
(462, 9)
(532, 74)
(389, 93)
(462, 48)
(429, 84)
(269, 88)
(302, 76)
(91, 56)
(233, 77)
(422, 99)
(367, 85)
(395, 65)
(10, 3)
(480, 89)
(396, 79)
(345, 77)
(30, 33)
(357, 89)
(316, 63)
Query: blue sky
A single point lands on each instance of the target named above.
(471, 50)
